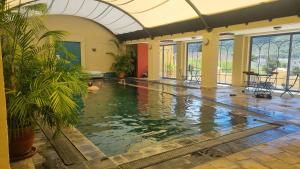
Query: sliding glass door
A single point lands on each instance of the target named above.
(225, 61)
(194, 60)
(294, 68)
(277, 53)
(168, 53)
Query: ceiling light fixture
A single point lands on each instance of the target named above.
(277, 27)
(227, 34)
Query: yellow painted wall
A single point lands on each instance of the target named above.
(91, 35)
(4, 159)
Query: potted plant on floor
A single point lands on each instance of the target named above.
(40, 87)
(123, 64)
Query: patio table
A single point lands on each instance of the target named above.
(250, 81)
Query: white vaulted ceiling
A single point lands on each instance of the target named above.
(114, 19)
(125, 16)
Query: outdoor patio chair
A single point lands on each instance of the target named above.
(288, 88)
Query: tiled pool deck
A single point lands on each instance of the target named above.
(282, 153)
(277, 148)
(279, 108)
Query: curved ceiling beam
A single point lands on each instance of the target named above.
(93, 10)
(124, 3)
(79, 8)
(68, 1)
(116, 19)
(100, 14)
(207, 27)
(143, 26)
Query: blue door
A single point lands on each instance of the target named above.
(74, 48)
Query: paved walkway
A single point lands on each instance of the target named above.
(280, 108)
(282, 153)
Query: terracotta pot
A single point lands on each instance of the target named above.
(20, 143)
(121, 75)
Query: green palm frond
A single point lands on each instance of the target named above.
(39, 86)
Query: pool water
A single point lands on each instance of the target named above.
(117, 117)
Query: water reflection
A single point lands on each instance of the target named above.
(117, 117)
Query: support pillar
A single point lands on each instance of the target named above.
(180, 60)
(4, 153)
(154, 60)
(210, 53)
(240, 59)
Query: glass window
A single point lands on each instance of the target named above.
(295, 63)
(270, 54)
(225, 62)
(277, 53)
(169, 54)
(194, 60)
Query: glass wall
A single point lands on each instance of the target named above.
(168, 54)
(225, 61)
(294, 68)
(194, 60)
(277, 53)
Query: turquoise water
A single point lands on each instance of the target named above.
(117, 117)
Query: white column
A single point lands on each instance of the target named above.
(210, 52)
(154, 60)
(180, 60)
(240, 59)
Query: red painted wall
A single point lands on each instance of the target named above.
(142, 59)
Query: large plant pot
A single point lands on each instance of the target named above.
(121, 75)
(20, 143)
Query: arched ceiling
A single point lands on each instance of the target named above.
(134, 19)
(111, 17)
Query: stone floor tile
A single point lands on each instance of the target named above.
(223, 163)
(237, 157)
(251, 164)
(278, 164)
(297, 166)
(261, 157)
(287, 157)
(23, 164)
(295, 142)
(268, 149)
(250, 152)
(294, 150)
(119, 159)
(205, 166)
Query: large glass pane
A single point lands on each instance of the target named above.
(225, 62)
(270, 54)
(295, 63)
(194, 60)
(169, 61)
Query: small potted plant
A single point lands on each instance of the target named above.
(123, 64)
(170, 70)
(40, 87)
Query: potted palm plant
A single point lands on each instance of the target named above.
(123, 64)
(40, 87)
